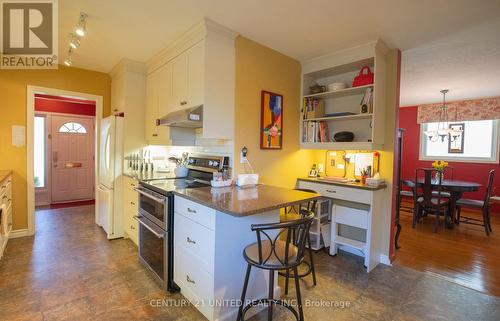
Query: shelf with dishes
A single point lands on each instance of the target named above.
(341, 117)
(340, 92)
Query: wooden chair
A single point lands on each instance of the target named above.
(483, 205)
(426, 200)
(448, 174)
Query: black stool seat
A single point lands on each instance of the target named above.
(275, 254)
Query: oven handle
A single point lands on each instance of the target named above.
(157, 199)
(138, 219)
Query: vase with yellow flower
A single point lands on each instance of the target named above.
(439, 166)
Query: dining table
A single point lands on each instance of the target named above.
(456, 188)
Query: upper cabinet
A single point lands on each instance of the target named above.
(197, 70)
(328, 108)
(128, 95)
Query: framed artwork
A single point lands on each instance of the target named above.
(456, 146)
(271, 121)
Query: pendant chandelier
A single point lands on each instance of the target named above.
(444, 131)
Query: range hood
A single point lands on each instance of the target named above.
(185, 118)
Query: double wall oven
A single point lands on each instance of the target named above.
(156, 219)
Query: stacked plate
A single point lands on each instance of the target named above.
(337, 86)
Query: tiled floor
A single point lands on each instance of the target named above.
(69, 271)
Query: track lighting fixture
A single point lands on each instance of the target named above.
(74, 41)
(68, 60)
(81, 27)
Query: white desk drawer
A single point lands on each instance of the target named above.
(196, 212)
(130, 182)
(350, 216)
(196, 284)
(195, 239)
(339, 192)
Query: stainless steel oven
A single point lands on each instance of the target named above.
(155, 237)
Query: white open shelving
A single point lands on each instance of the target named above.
(368, 128)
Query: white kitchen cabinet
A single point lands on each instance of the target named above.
(130, 208)
(158, 101)
(6, 223)
(208, 260)
(203, 73)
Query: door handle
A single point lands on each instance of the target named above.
(331, 191)
(189, 279)
(190, 240)
(191, 210)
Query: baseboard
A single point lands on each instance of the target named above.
(19, 233)
(384, 259)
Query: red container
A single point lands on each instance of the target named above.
(365, 77)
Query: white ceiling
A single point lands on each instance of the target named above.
(467, 62)
(298, 28)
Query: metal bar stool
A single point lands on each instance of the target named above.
(275, 254)
(303, 210)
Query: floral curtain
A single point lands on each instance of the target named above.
(462, 110)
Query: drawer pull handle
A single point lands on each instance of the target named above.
(183, 102)
(331, 191)
(132, 203)
(190, 210)
(132, 227)
(132, 184)
(190, 240)
(189, 279)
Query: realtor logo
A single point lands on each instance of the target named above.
(29, 34)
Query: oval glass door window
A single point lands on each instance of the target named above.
(72, 127)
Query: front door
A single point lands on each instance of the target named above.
(72, 158)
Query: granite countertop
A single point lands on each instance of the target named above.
(240, 202)
(343, 184)
(4, 173)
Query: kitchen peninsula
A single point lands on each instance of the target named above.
(212, 227)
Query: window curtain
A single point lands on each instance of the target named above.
(462, 110)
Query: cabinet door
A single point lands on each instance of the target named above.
(179, 82)
(164, 101)
(196, 74)
(151, 107)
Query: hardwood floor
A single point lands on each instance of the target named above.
(464, 255)
(69, 271)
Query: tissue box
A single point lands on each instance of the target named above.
(247, 179)
(374, 181)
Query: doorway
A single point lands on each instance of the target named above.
(61, 145)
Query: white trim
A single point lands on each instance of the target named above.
(19, 233)
(30, 119)
(490, 160)
(384, 259)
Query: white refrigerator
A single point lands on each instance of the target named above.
(109, 191)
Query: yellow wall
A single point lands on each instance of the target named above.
(261, 68)
(13, 112)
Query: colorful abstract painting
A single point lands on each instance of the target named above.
(271, 124)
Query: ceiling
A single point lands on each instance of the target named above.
(466, 62)
(301, 29)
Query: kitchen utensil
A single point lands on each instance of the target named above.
(365, 77)
(316, 89)
(344, 137)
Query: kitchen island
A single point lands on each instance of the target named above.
(212, 226)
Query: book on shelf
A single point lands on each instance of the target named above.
(366, 105)
(313, 108)
(315, 132)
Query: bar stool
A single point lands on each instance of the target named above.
(303, 210)
(275, 254)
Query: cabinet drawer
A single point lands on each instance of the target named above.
(196, 212)
(129, 182)
(351, 216)
(195, 239)
(339, 192)
(196, 285)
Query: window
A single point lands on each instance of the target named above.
(72, 128)
(480, 143)
(39, 146)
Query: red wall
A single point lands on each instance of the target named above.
(473, 172)
(65, 105)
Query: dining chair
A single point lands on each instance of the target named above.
(426, 200)
(483, 205)
(448, 174)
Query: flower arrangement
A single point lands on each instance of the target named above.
(180, 161)
(439, 165)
